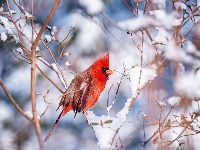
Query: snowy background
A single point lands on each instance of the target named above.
(170, 75)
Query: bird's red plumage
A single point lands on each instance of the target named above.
(85, 89)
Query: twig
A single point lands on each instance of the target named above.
(49, 107)
(61, 72)
(108, 96)
(64, 48)
(14, 102)
(109, 19)
(117, 89)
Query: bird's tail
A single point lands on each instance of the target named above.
(53, 128)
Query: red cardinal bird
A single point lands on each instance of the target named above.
(85, 89)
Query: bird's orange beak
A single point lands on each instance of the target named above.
(109, 72)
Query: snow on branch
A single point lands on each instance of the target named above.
(106, 127)
(58, 72)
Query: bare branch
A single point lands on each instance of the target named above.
(14, 102)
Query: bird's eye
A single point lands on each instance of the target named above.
(104, 69)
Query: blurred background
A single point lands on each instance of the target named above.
(93, 36)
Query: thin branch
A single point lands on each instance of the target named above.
(108, 96)
(65, 44)
(61, 72)
(109, 20)
(49, 107)
(123, 74)
(14, 102)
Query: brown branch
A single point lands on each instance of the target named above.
(14, 102)
(33, 70)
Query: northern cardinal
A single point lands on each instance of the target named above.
(85, 89)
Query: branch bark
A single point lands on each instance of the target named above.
(33, 70)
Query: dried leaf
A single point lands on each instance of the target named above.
(155, 140)
(108, 121)
(94, 124)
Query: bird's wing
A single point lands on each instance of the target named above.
(73, 88)
(80, 97)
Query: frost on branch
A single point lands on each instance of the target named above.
(148, 73)
(3, 36)
(19, 50)
(47, 38)
(180, 5)
(67, 64)
(162, 37)
(52, 35)
(161, 104)
(105, 127)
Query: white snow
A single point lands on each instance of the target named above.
(144, 115)
(135, 24)
(55, 29)
(92, 6)
(188, 84)
(30, 114)
(55, 67)
(198, 3)
(16, 38)
(19, 50)
(190, 47)
(37, 49)
(174, 101)
(162, 37)
(1, 10)
(105, 127)
(67, 63)
(148, 73)
(161, 104)
(4, 20)
(106, 131)
(177, 22)
(3, 36)
(169, 19)
(160, 3)
(66, 54)
(180, 5)
(48, 38)
(180, 141)
(28, 15)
